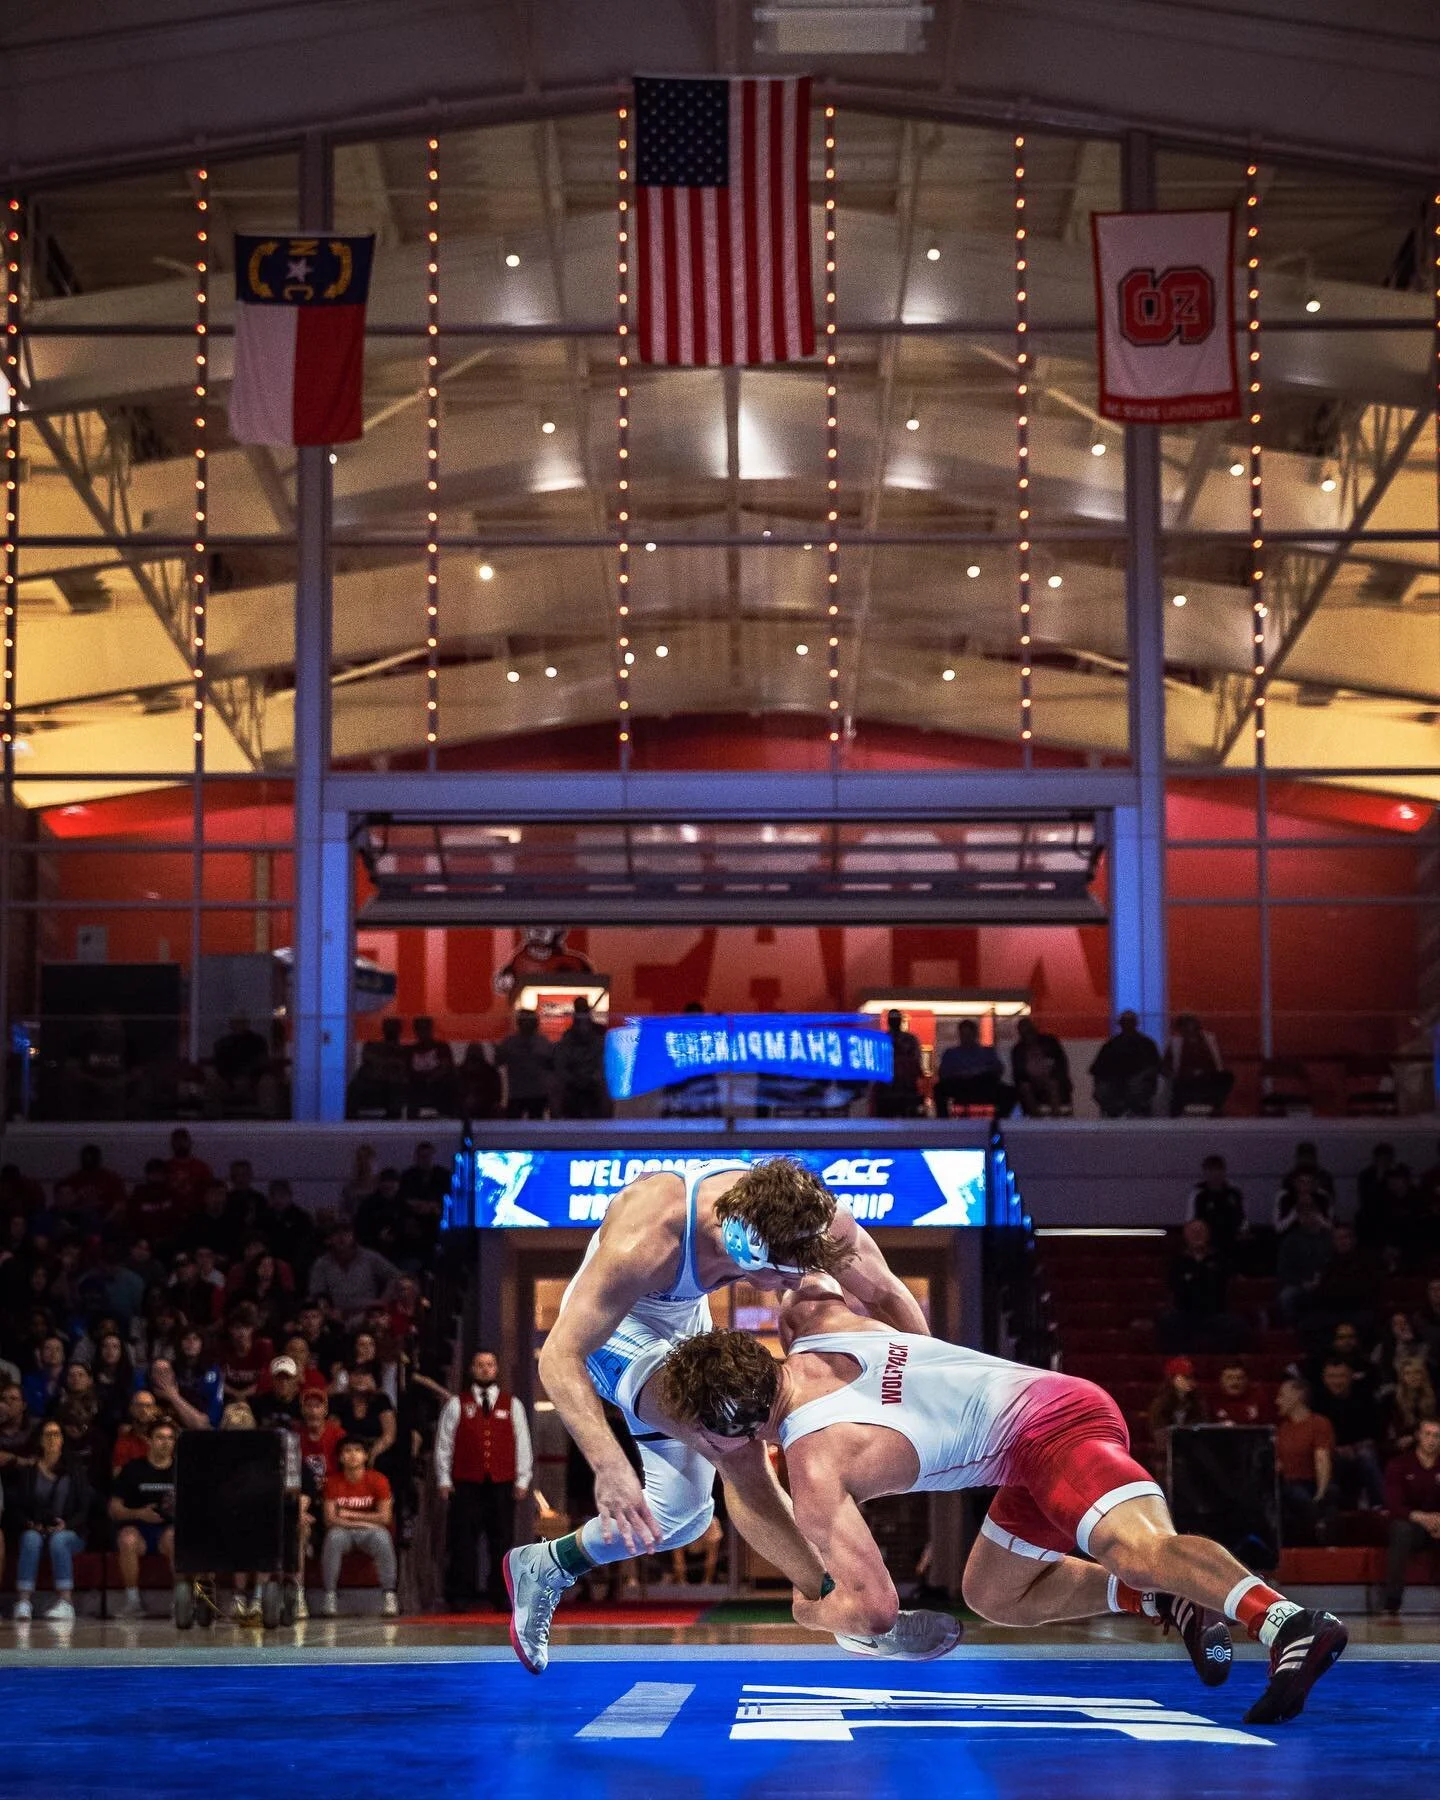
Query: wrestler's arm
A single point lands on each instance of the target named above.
(864, 1601)
(635, 1255)
(868, 1279)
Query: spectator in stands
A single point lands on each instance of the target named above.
(1349, 1284)
(1345, 1346)
(1305, 1459)
(1216, 1199)
(581, 1091)
(1371, 1220)
(1179, 1401)
(1126, 1071)
(133, 1438)
(197, 1287)
(431, 1086)
(1406, 1228)
(48, 1504)
(114, 1286)
(358, 1516)
(1304, 1255)
(141, 1260)
(483, 1467)
(900, 1096)
(143, 1506)
(291, 1230)
(366, 1414)
(970, 1074)
(269, 1288)
(276, 1402)
(46, 1381)
(199, 1379)
(1411, 1402)
(244, 1353)
(1399, 1343)
(97, 1192)
(379, 1085)
(348, 1277)
(1199, 1316)
(527, 1060)
(363, 1180)
(380, 1217)
(1239, 1401)
(320, 1436)
(1040, 1070)
(17, 1428)
(1347, 1404)
(365, 1356)
(325, 1338)
(186, 1174)
(480, 1087)
(1304, 1175)
(242, 1078)
(171, 1401)
(151, 1207)
(213, 1224)
(422, 1192)
(1195, 1069)
(78, 1416)
(1427, 1321)
(1412, 1500)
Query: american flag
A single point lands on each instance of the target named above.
(722, 212)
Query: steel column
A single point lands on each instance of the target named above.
(324, 881)
(1137, 855)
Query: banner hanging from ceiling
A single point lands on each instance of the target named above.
(648, 1053)
(1165, 304)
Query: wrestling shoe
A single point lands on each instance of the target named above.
(914, 1637)
(1307, 1644)
(1204, 1634)
(534, 1582)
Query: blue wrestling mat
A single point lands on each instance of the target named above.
(642, 1723)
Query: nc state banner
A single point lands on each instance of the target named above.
(1165, 301)
(299, 338)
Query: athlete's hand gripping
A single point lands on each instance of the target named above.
(620, 1502)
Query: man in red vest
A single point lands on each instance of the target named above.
(483, 1465)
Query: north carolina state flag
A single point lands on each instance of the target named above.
(299, 338)
(1165, 302)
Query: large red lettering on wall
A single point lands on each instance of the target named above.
(1176, 306)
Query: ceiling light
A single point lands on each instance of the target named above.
(551, 671)
(947, 674)
(548, 427)
(1327, 486)
(629, 658)
(1099, 447)
(912, 423)
(973, 570)
(650, 546)
(485, 571)
(1312, 305)
(512, 674)
(1055, 581)
(802, 649)
(766, 532)
(807, 546)
(1237, 468)
(1178, 599)
(932, 253)
(333, 459)
(662, 649)
(512, 259)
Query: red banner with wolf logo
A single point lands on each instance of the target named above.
(1165, 302)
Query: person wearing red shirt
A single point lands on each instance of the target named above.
(1238, 1400)
(1305, 1458)
(96, 1190)
(320, 1438)
(244, 1355)
(151, 1211)
(132, 1441)
(1412, 1499)
(186, 1175)
(358, 1516)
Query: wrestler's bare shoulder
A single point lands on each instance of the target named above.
(652, 1203)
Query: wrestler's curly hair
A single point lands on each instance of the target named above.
(792, 1210)
(705, 1376)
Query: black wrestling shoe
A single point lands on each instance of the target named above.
(1307, 1644)
(1205, 1635)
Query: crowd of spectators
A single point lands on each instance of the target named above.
(132, 1313)
(1356, 1415)
(525, 1076)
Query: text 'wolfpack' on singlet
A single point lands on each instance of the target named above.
(959, 1408)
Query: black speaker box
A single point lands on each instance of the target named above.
(229, 1501)
(1222, 1485)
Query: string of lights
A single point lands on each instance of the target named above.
(11, 553)
(1254, 413)
(432, 450)
(832, 451)
(1022, 449)
(624, 656)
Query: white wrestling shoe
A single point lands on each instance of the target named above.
(914, 1637)
(534, 1582)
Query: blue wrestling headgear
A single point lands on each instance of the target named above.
(746, 1248)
